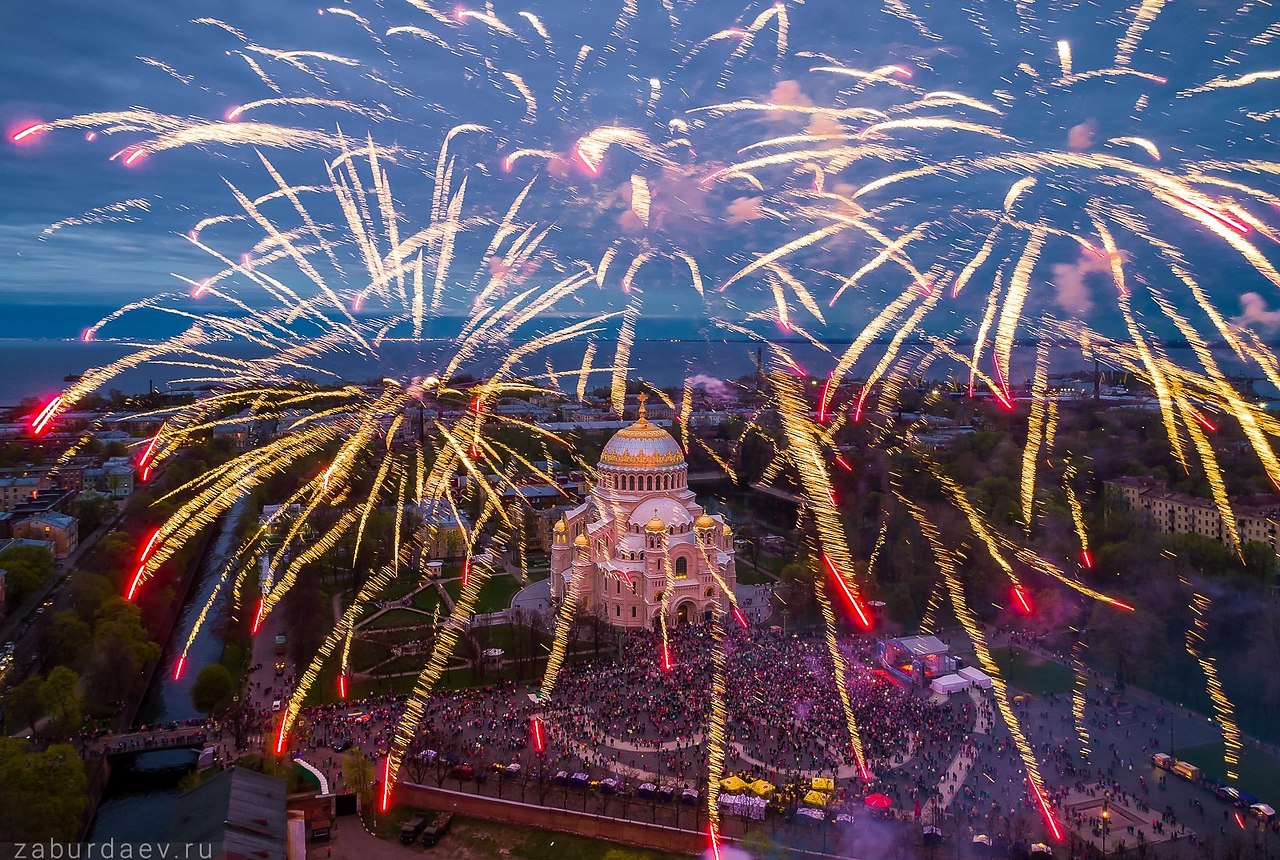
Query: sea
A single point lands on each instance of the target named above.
(41, 350)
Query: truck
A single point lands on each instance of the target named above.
(437, 830)
(1186, 770)
(280, 642)
(412, 828)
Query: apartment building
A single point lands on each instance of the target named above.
(1257, 518)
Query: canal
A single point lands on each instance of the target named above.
(144, 788)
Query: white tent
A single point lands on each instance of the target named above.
(976, 676)
(948, 684)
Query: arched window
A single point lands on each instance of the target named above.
(707, 593)
(682, 567)
(633, 612)
(617, 611)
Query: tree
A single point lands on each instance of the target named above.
(26, 567)
(60, 699)
(213, 688)
(22, 707)
(121, 648)
(52, 812)
(92, 510)
(65, 639)
(357, 769)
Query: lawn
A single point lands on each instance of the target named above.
(748, 575)
(496, 593)
(403, 663)
(1259, 771)
(1029, 673)
(427, 599)
(399, 587)
(398, 618)
(365, 653)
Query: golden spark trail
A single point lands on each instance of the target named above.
(946, 563)
(1035, 434)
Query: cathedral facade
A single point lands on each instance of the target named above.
(640, 540)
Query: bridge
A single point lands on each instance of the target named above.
(131, 743)
(777, 493)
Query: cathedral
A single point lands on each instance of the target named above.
(640, 535)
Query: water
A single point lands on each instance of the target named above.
(140, 798)
(36, 368)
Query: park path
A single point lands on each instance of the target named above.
(958, 771)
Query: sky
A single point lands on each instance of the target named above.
(65, 58)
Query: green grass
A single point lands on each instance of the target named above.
(399, 587)
(496, 593)
(403, 663)
(1259, 771)
(395, 635)
(398, 618)
(427, 599)
(748, 575)
(365, 653)
(1032, 674)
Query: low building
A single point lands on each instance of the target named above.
(17, 489)
(114, 478)
(60, 530)
(15, 543)
(444, 530)
(1257, 518)
(239, 812)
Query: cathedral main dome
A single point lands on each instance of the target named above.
(643, 445)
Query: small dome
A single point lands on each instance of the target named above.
(726, 531)
(559, 527)
(580, 540)
(656, 525)
(704, 522)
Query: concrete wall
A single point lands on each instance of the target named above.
(639, 834)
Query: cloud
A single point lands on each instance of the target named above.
(789, 93)
(1081, 136)
(1254, 311)
(820, 125)
(714, 388)
(743, 209)
(1070, 282)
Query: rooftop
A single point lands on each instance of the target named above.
(240, 810)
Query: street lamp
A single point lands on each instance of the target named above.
(1106, 818)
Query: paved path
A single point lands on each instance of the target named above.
(535, 597)
(958, 771)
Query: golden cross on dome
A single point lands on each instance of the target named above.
(642, 398)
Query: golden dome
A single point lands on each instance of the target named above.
(726, 531)
(656, 525)
(704, 522)
(643, 445)
(580, 540)
(559, 527)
